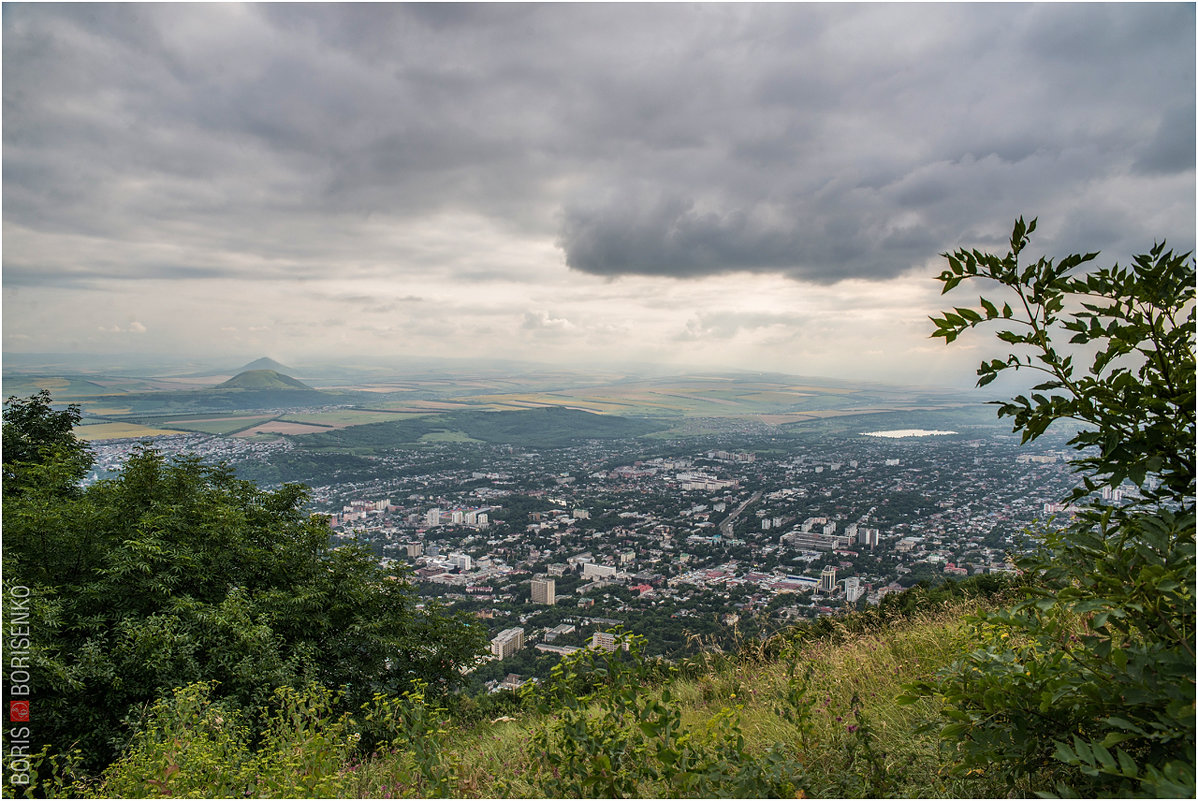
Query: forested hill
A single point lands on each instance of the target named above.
(553, 427)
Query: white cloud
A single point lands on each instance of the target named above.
(544, 321)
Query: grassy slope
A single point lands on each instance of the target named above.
(858, 742)
(871, 666)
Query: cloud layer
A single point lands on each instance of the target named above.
(427, 147)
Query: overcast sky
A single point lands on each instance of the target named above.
(754, 186)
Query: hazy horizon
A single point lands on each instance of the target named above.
(725, 186)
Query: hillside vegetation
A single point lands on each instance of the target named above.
(554, 427)
(811, 712)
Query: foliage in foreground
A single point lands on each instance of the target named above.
(812, 714)
(1087, 685)
(175, 573)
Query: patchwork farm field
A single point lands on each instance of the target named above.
(218, 425)
(124, 406)
(343, 418)
(281, 427)
(692, 397)
(102, 431)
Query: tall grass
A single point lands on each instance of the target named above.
(856, 738)
(813, 709)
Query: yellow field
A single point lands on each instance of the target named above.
(101, 431)
(618, 401)
(815, 414)
(778, 397)
(280, 427)
(110, 409)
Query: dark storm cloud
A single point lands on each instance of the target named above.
(820, 141)
(1171, 148)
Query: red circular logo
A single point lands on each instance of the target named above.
(18, 711)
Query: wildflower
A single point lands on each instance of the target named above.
(852, 727)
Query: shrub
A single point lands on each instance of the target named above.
(1086, 685)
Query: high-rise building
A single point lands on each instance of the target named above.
(853, 589)
(433, 517)
(868, 537)
(507, 642)
(827, 579)
(543, 591)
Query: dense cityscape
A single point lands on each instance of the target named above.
(705, 539)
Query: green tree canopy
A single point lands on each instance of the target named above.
(1087, 686)
(35, 435)
(176, 571)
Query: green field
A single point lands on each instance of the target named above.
(447, 436)
(347, 417)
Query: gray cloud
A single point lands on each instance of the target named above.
(819, 141)
(1171, 149)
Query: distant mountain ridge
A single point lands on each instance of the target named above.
(263, 379)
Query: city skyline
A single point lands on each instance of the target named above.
(764, 187)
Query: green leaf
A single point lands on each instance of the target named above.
(1066, 754)
(1127, 765)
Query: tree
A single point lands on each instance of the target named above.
(176, 572)
(1087, 684)
(35, 435)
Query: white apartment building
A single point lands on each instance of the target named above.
(507, 642)
(592, 570)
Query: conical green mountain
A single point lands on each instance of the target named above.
(263, 379)
(265, 363)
